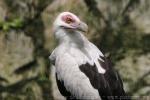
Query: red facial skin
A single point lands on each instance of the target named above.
(68, 19)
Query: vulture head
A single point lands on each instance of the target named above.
(68, 22)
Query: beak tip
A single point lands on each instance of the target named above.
(83, 27)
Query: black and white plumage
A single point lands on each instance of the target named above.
(82, 71)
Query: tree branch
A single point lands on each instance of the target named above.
(92, 7)
(3, 79)
(26, 67)
(128, 6)
(16, 86)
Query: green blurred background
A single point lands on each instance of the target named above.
(120, 28)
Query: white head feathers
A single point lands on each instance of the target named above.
(69, 21)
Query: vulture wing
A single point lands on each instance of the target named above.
(71, 81)
(109, 84)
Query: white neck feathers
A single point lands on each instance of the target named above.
(75, 38)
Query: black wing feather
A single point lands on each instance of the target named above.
(109, 84)
(63, 90)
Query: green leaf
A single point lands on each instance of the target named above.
(6, 26)
(17, 23)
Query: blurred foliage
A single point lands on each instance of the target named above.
(15, 23)
(120, 28)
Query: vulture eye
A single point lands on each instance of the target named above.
(68, 19)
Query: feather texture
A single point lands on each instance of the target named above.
(82, 71)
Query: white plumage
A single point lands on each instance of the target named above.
(71, 55)
(68, 57)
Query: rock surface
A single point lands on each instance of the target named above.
(120, 28)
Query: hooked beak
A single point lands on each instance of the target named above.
(82, 27)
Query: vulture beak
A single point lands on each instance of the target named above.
(82, 27)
